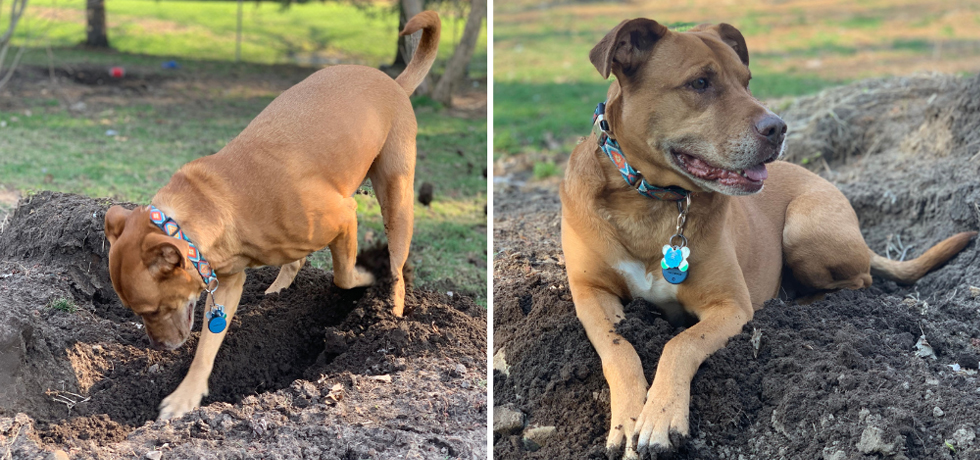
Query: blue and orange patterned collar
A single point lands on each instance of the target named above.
(171, 228)
(633, 177)
(216, 318)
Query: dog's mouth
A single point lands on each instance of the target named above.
(747, 180)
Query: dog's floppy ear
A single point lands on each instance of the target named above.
(732, 37)
(624, 49)
(163, 255)
(115, 222)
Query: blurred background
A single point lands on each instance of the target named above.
(110, 98)
(545, 89)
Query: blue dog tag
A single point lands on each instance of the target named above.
(674, 275)
(217, 320)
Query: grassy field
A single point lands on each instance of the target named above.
(545, 88)
(324, 33)
(125, 141)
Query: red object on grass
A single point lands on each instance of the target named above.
(117, 72)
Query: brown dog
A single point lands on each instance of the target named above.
(280, 190)
(681, 115)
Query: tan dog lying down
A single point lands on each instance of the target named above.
(279, 191)
(702, 237)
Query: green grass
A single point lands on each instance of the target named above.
(545, 169)
(54, 149)
(64, 304)
(205, 30)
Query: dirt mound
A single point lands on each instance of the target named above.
(836, 379)
(311, 369)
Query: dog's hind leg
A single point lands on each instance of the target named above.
(393, 178)
(822, 242)
(286, 276)
(343, 249)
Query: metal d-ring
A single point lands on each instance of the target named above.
(682, 207)
(683, 240)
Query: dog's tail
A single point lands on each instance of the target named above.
(425, 54)
(909, 271)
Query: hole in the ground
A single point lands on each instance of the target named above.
(272, 341)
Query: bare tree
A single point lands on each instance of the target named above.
(452, 78)
(16, 11)
(95, 30)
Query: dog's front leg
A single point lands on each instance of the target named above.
(599, 311)
(188, 394)
(665, 414)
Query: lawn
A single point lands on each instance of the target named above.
(317, 32)
(545, 87)
(125, 142)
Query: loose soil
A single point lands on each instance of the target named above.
(836, 379)
(311, 372)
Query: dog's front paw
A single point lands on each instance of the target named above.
(184, 399)
(662, 426)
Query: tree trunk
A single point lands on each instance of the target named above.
(407, 44)
(16, 11)
(95, 31)
(452, 78)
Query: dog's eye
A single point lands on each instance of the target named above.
(700, 84)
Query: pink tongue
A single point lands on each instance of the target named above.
(757, 173)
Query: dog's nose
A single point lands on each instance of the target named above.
(771, 127)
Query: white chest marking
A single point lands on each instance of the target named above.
(652, 288)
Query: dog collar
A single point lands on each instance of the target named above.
(216, 318)
(633, 177)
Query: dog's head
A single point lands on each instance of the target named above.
(681, 106)
(152, 275)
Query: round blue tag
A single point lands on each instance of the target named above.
(217, 324)
(674, 275)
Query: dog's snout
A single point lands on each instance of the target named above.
(771, 127)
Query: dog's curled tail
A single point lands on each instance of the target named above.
(909, 271)
(425, 54)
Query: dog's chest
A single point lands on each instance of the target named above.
(649, 286)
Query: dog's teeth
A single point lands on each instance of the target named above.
(741, 172)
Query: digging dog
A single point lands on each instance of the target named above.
(280, 190)
(665, 201)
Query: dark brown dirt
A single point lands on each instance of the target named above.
(836, 379)
(314, 371)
